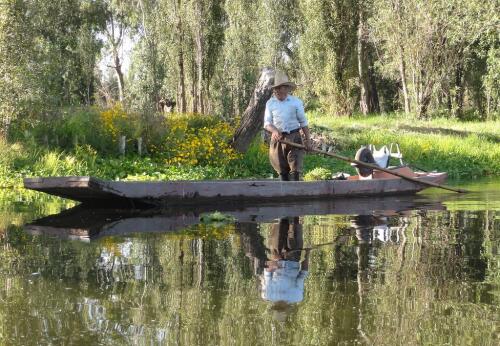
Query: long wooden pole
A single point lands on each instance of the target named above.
(369, 165)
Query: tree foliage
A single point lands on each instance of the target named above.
(424, 57)
(48, 55)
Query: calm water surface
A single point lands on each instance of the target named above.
(403, 271)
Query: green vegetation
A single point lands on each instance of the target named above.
(85, 142)
(183, 147)
(463, 149)
(418, 56)
(318, 173)
(216, 218)
(68, 93)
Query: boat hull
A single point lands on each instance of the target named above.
(101, 193)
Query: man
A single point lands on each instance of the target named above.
(285, 119)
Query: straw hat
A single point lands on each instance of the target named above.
(280, 78)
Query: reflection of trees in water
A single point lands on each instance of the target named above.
(426, 282)
(408, 289)
(127, 260)
(18, 208)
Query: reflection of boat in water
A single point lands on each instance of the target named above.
(101, 193)
(83, 223)
(375, 228)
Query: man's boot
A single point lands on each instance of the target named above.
(295, 176)
(284, 176)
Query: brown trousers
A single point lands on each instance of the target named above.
(286, 240)
(284, 158)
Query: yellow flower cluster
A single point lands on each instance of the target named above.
(114, 120)
(194, 139)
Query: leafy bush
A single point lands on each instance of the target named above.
(193, 139)
(255, 162)
(318, 173)
(118, 122)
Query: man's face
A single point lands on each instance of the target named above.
(281, 92)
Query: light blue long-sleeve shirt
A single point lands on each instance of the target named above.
(285, 283)
(286, 115)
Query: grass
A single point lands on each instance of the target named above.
(463, 149)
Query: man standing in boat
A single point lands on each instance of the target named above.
(285, 119)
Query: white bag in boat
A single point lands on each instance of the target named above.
(381, 156)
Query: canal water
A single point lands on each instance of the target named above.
(398, 271)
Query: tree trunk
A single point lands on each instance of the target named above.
(253, 117)
(368, 102)
(459, 91)
(374, 105)
(199, 57)
(119, 75)
(424, 106)
(4, 126)
(402, 64)
(194, 101)
(363, 83)
(424, 100)
(402, 73)
(181, 99)
(116, 42)
(182, 83)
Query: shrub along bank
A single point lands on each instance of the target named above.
(189, 146)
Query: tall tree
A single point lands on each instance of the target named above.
(147, 70)
(199, 39)
(116, 30)
(15, 47)
(179, 34)
(207, 22)
(328, 52)
(49, 51)
(241, 55)
(279, 27)
(368, 102)
(429, 46)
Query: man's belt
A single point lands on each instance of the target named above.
(284, 133)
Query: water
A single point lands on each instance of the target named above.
(423, 270)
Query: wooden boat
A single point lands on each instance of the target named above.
(101, 193)
(80, 223)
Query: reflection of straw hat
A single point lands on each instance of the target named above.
(280, 78)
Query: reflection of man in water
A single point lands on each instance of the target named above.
(281, 272)
(284, 274)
